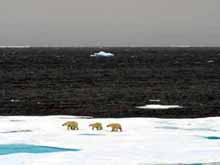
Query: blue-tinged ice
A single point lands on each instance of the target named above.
(6, 149)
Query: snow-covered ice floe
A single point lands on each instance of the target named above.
(158, 106)
(210, 61)
(144, 141)
(154, 100)
(103, 54)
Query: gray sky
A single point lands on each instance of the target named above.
(110, 22)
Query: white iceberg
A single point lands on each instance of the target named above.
(158, 106)
(103, 54)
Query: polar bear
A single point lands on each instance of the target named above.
(96, 125)
(115, 127)
(73, 125)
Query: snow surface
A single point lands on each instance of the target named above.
(144, 141)
(102, 53)
(158, 106)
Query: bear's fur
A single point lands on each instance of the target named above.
(73, 125)
(96, 125)
(115, 127)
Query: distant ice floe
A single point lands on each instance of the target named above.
(103, 54)
(210, 61)
(154, 100)
(158, 106)
(14, 100)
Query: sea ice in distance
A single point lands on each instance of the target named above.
(154, 100)
(102, 53)
(158, 106)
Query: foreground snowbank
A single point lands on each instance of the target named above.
(143, 141)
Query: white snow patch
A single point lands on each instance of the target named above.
(158, 106)
(154, 100)
(102, 53)
(210, 61)
(14, 100)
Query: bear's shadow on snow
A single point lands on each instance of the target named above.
(17, 120)
(91, 134)
(17, 131)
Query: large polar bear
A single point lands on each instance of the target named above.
(115, 127)
(73, 125)
(96, 125)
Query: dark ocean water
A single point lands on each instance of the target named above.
(50, 81)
